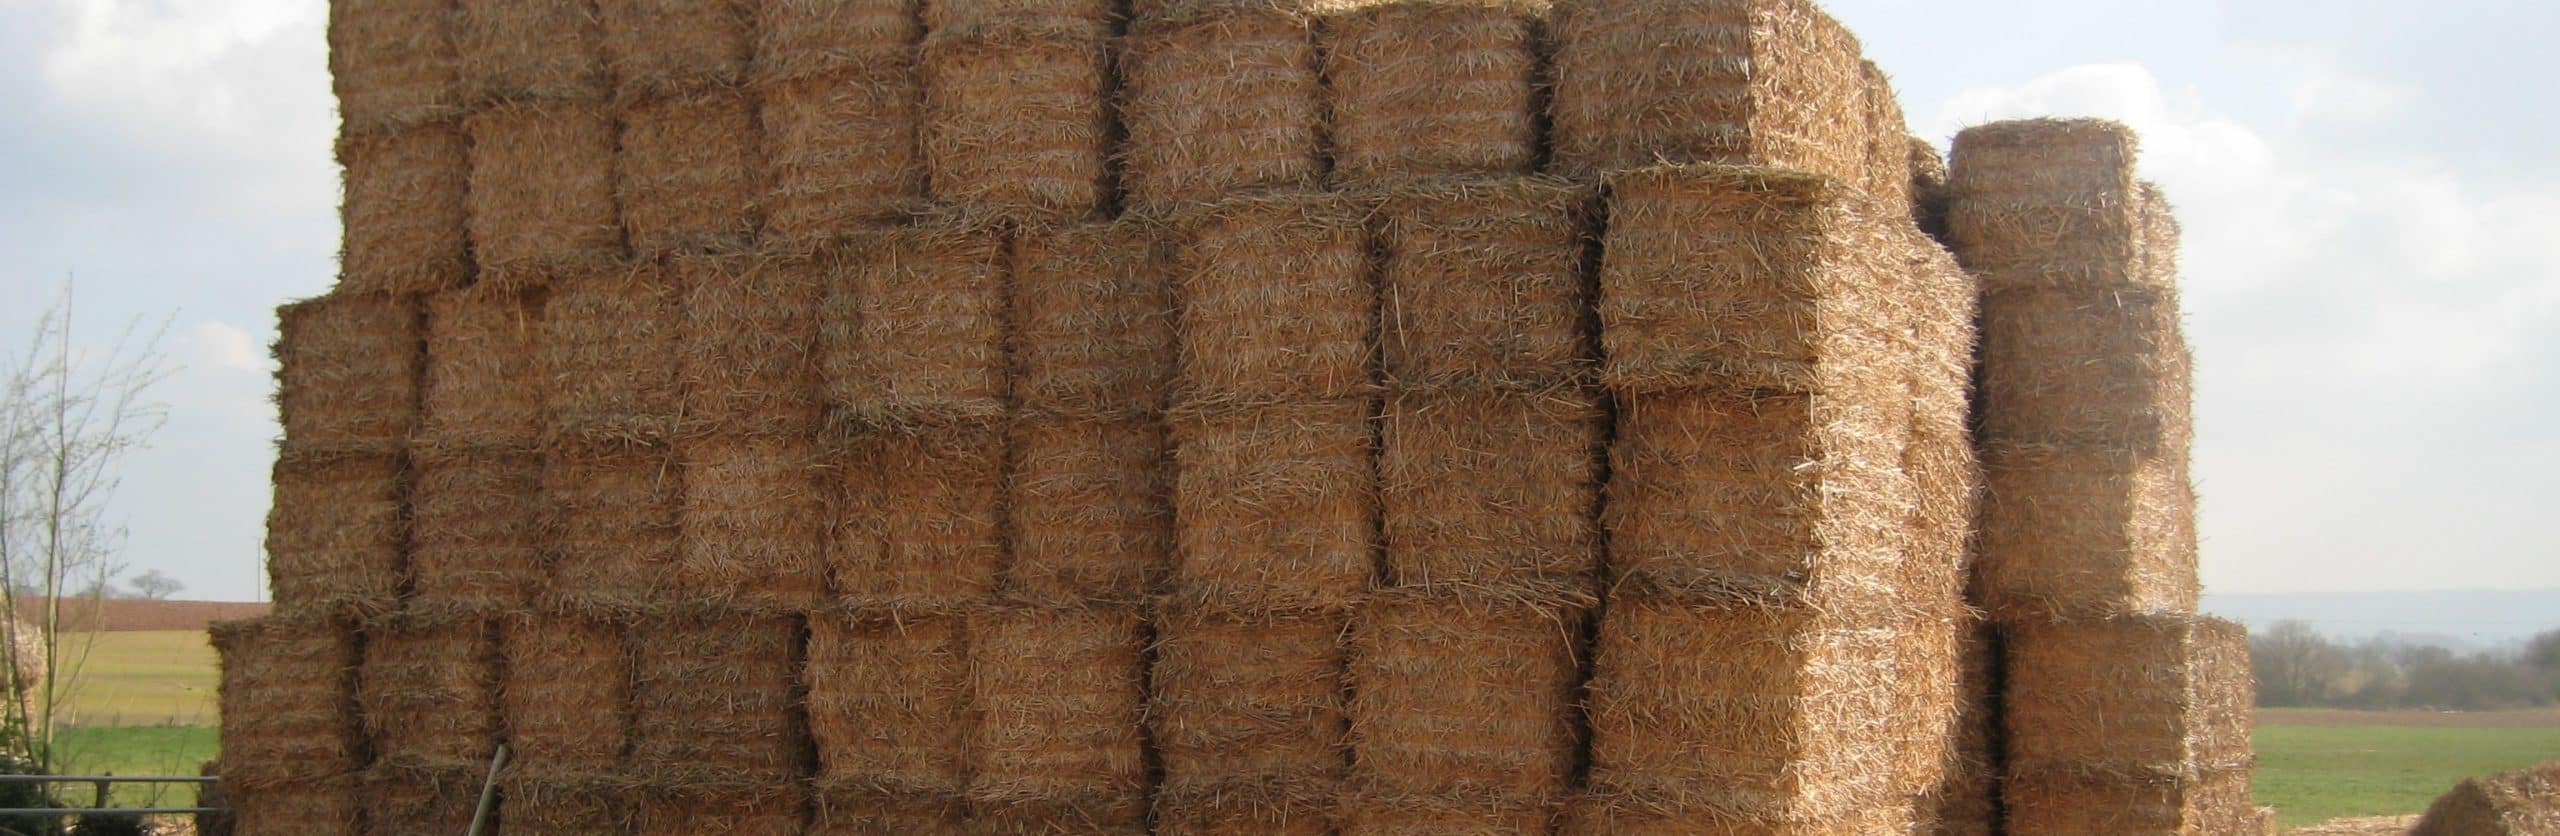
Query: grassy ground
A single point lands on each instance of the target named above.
(143, 678)
(2317, 765)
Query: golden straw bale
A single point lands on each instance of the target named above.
(347, 371)
(1465, 704)
(1745, 82)
(428, 688)
(1491, 491)
(798, 39)
(1432, 88)
(1940, 457)
(475, 539)
(1482, 283)
(841, 151)
(736, 807)
(2138, 804)
(287, 693)
(1091, 505)
(690, 171)
(1966, 800)
(316, 807)
(1219, 103)
(718, 696)
(2165, 692)
(920, 529)
(889, 704)
(542, 190)
(1276, 300)
(914, 326)
(1929, 192)
(1014, 118)
(1770, 499)
(1058, 694)
(2078, 531)
(566, 693)
(1085, 18)
(1888, 175)
(1275, 507)
(605, 343)
(1801, 279)
(1249, 721)
(1595, 816)
(404, 210)
(335, 531)
(483, 384)
(1371, 813)
(610, 528)
(421, 798)
(513, 50)
(1093, 326)
(1757, 719)
(544, 801)
(392, 63)
(2514, 804)
(2086, 366)
(2047, 202)
(752, 522)
(748, 357)
(854, 809)
(664, 47)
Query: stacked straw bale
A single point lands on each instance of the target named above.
(1217, 98)
(289, 723)
(1436, 88)
(2514, 804)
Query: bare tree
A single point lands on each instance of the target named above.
(2295, 665)
(155, 586)
(68, 418)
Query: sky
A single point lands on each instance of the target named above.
(2369, 193)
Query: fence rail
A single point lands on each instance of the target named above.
(102, 783)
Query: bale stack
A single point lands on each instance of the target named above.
(2121, 708)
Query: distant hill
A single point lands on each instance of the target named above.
(2463, 619)
(126, 614)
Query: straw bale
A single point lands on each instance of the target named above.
(1275, 507)
(1597, 816)
(1746, 82)
(2079, 531)
(889, 706)
(1888, 174)
(421, 798)
(1773, 498)
(484, 377)
(842, 152)
(2047, 203)
(2163, 803)
(475, 541)
(1757, 719)
(541, 801)
(606, 340)
(690, 171)
(1929, 192)
(2165, 693)
(914, 326)
(566, 692)
(752, 522)
(317, 807)
(921, 527)
(797, 39)
(2086, 366)
(1058, 694)
(287, 695)
(347, 371)
(1966, 801)
(1093, 330)
(531, 49)
(748, 358)
(1371, 813)
(2518, 803)
(609, 525)
(731, 809)
(1091, 506)
(1940, 458)
(428, 689)
(852, 809)
(1491, 491)
(1801, 279)
(1464, 704)
(392, 62)
(662, 47)
(1249, 721)
(404, 210)
(335, 531)
(1483, 282)
(541, 191)
(722, 695)
(1432, 88)
(1216, 104)
(1015, 122)
(1276, 300)
(1082, 18)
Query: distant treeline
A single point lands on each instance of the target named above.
(2298, 667)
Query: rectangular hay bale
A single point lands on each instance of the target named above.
(719, 696)
(1483, 283)
(2075, 531)
(889, 706)
(428, 689)
(1276, 300)
(1249, 718)
(743, 808)
(2140, 804)
(2048, 202)
(392, 62)
(1743, 82)
(1091, 505)
(842, 152)
(914, 326)
(436, 798)
(1491, 491)
(322, 807)
(662, 47)
(335, 532)
(1275, 508)
(1422, 89)
(797, 39)
(920, 526)
(1088, 18)
(1464, 706)
(1093, 329)
(752, 522)
(405, 210)
(610, 526)
(2165, 693)
(690, 171)
(347, 371)
(287, 696)
(484, 378)
(1015, 122)
(541, 190)
(606, 338)
(852, 808)
(749, 352)
(531, 49)
(1217, 104)
(2086, 366)
(1059, 695)
(538, 801)
(566, 693)
(475, 538)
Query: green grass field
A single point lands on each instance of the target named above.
(2318, 765)
(153, 678)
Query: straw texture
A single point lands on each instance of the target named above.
(2154, 692)
(1431, 88)
(753, 523)
(392, 62)
(2513, 804)
(717, 697)
(1482, 282)
(920, 527)
(420, 798)
(563, 802)
(484, 375)
(1015, 123)
(1462, 707)
(566, 693)
(605, 343)
(739, 805)
(842, 151)
(475, 538)
(1093, 330)
(404, 210)
(610, 527)
(1276, 300)
(1249, 719)
(347, 371)
(1275, 508)
(1217, 104)
(889, 709)
(1491, 492)
(428, 689)
(1058, 694)
(676, 46)
(689, 171)
(748, 357)
(541, 193)
(335, 532)
(324, 807)
(1089, 18)
(2102, 366)
(914, 327)
(797, 39)
(531, 49)
(1743, 82)
(2047, 202)
(287, 694)
(1091, 507)
(2084, 532)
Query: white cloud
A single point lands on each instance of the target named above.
(226, 347)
